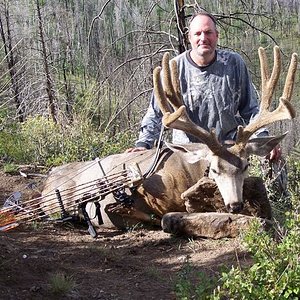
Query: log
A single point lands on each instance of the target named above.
(212, 225)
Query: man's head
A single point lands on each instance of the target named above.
(203, 36)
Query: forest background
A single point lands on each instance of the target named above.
(76, 75)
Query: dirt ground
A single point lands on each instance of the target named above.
(140, 264)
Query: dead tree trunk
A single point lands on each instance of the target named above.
(49, 82)
(181, 26)
(11, 63)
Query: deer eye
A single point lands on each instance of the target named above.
(215, 171)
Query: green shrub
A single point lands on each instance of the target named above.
(193, 285)
(12, 146)
(10, 168)
(275, 273)
(40, 141)
(294, 174)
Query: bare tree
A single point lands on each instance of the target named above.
(11, 59)
(181, 25)
(45, 55)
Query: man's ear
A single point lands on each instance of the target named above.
(262, 146)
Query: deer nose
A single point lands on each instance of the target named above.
(235, 207)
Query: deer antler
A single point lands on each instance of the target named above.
(168, 93)
(284, 110)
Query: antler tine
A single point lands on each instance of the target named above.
(159, 92)
(170, 81)
(284, 110)
(268, 82)
(290, 78)
(165, 94)
(169, 93)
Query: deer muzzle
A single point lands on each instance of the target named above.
(235, 207)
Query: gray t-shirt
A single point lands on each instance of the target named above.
(220, 95)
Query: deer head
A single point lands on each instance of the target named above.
(228, 164)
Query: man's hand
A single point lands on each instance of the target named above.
(275, 154)
(137, 149)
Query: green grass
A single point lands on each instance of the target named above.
(191, 284)
(61, 284)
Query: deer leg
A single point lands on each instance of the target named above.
(208, 225)
(130, 212)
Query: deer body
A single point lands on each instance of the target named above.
(182, 167)
(158, 194)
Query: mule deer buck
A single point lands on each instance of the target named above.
(178, 183)
(228, 165)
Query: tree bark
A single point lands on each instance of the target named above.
(49, 82)
(181, 26)
(11, 62)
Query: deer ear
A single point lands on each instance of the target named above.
(262, 146)
(192, 155)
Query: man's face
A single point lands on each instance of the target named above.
(203, 35)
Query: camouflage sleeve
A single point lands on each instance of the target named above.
(150, 126)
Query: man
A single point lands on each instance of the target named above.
(216, 89)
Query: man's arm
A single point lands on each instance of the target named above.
(150, 128)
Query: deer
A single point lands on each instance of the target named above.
(190, 178)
